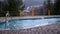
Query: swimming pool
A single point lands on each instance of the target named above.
(27, 22)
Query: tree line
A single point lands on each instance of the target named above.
(53, 7)
(13, 6)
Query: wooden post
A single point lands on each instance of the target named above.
(48, 12)
(32, 12)
(21, 14)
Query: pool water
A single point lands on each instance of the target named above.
(27, 23)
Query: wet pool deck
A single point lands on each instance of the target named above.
(48, 29)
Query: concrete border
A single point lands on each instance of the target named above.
(2, 19)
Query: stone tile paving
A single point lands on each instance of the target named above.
(48, 29)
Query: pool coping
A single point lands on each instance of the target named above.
(2, 19)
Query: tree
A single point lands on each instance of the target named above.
(45, 8)
(56, 8)
(14, 7)
(49, 6)
(2, 12)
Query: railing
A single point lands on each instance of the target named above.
(32, 13)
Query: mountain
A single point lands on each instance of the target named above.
(33, 2)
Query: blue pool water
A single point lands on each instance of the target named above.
(27, 23)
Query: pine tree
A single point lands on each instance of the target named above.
(48, 4)
(2, 12)
(14, 7)
(56, 7)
